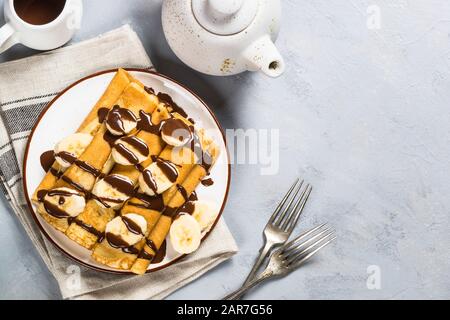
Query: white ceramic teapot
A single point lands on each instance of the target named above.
(224, 37)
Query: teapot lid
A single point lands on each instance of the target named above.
(224, 17)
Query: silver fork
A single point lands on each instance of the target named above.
(282, 222)
(290, 256)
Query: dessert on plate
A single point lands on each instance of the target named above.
(125, 181)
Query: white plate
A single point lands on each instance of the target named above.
(66, 112)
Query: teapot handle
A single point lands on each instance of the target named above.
(263, 55)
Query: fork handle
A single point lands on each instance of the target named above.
(262, 256)
(266, 274)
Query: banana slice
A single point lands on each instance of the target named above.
(185, 234)
(72, 146)
(158, 177)
(175, 132)
(67, 201)
(112, 191)
(120, 121)
(130, 150)
(126, 230)
(205, 212)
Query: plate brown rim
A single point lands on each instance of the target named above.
(25, 159)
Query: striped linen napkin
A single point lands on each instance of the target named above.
(26, 86)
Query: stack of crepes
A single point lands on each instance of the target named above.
(117, 185)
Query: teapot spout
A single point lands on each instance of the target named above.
(263, 55)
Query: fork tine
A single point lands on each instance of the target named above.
(305, 254)
(302, 236)
(290, 211)
(313, 252)
(290, 222)
(300, 246)
(287, 209)
(283, 201)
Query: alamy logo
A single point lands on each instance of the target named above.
(255, 146)
(374, 17)
(74, 21)
(73, 281)
(374, 279)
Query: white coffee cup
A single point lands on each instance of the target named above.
(40, 36)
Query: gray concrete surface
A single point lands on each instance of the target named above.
(362, 113)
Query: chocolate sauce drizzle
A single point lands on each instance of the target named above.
(102, 113)
(183, 192)
(145, 123)
(139, 145)
(87, 194)
(165, 98)
(110, 138)
(77, 186)
(150, 181)
(151, 244)
(173, 212)
(154, 258)
(121, 184)
(131, 250)
(149, 90)
(167, 167)
(207, 182)
(54, 210)
(66, 156)
(160, 254)
(193, 196)
(100, 235)
(188, 207)
(170, 212)
(47, 160)
(56, 173)
(118, 243)
(41, 194)
(116, 116)
(132, 226)
(177, 129)
(59, 192)
(149, 202)
(204, 158)
(70, 158)
(145, 255)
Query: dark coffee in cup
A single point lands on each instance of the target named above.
(39, 12)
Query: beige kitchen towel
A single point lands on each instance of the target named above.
(26, 86)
